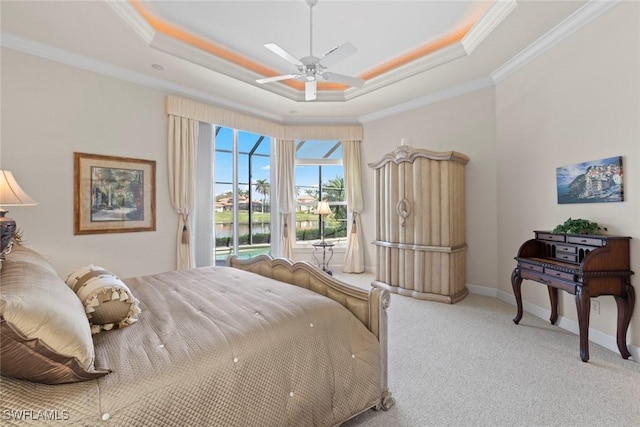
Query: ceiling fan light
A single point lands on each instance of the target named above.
(310, 90)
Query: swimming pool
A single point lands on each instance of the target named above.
(244, 252)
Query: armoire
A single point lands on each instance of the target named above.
(420, 224)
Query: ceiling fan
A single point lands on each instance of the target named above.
(311, 68)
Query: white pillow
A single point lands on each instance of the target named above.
(108, 302)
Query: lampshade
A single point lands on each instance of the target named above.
(323, 208)
(10, 192)
(10, 195)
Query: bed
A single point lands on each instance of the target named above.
(262, 341)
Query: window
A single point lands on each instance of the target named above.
(241, 186)
(319, 175)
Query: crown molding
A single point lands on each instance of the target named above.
(133, 18)
(437, 58)
(433, 98)
(489, 21)
(580, 18)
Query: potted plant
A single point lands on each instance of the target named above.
(579, 226)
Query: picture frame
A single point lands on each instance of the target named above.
(596, 181)
(113, 194)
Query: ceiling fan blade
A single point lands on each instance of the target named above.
(337, 54)
(277, 78)
(283, 54)
(341, 78)
(310, 90)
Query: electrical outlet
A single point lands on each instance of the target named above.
(595, 306)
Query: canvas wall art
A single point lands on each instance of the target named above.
(597, 181)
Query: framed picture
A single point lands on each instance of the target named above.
(597, 181)
(113, 194)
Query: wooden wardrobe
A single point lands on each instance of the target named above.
(420, 224)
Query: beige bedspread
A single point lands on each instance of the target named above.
(221, 347)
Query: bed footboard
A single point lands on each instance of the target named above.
(370, 307)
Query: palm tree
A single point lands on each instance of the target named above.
(264, 188)
(334, 189)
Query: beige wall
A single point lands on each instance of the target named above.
(465, 124)
(49, 111)
(578, 102)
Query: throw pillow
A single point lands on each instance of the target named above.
(108, 302)
(44, 334)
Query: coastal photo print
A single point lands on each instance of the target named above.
(598, 181)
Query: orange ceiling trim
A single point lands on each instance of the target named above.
(193, 40)
(179, 34)
(418, 53)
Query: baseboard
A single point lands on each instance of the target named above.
(595, 336)
(482, 290)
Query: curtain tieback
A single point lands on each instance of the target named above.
(185, 231)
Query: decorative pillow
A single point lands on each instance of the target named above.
(44, 332)
(108, 302)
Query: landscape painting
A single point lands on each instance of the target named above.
(598, 181)
(116, 194)
(113, 194)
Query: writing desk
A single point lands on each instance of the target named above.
(586, 266)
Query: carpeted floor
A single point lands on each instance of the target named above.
(468, 364)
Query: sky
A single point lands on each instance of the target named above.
(305, 175)
(566, 174)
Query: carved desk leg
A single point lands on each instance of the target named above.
(583, 305)
(625, 310)
(516, 282)
(553, 298)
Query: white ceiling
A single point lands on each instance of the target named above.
(113, 38)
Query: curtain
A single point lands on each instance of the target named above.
(284, 164)
(354, 255)
(183, 134)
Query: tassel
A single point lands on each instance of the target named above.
(95, 329)
(353, 228)
(115, 295)
(123, 296)
(89, 309)
(107, 327)
(285, 232)
(185, 235)
(94, 302)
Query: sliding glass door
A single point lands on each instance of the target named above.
(242, 209)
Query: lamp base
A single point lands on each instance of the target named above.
(7, 230)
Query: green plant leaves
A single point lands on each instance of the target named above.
(579, 226)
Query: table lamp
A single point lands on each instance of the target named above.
(10, 195)
(323, 210)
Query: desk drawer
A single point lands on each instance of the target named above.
(550, 237)
(567, 257)
(589, 241)
(553, 281)
(532, 267)
(566, 249)
(560, 274)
